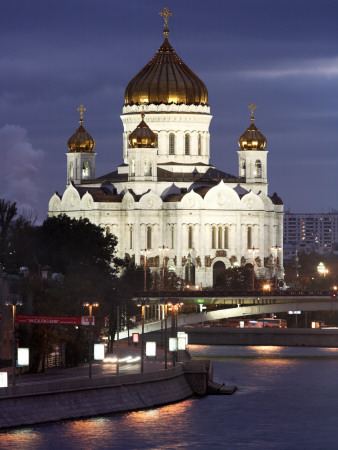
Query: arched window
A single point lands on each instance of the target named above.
(171, 144)
(107, 231)
(213, 237)
(226, 237)
(199, 145)
(149, 237)
(85, 170)
(242, 168)
(187, 144)
(220, 237)
(190, 232)
(249, 237)
(147, 168)
(131, 237)
(172, 237)
(71, 170)
(258, 169)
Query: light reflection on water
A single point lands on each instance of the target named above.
(286, 399)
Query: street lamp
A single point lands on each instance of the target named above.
(174, 307)
(143, 302)
(275, 249)
(13, 301)
(145, 252)
(90, 304)
(162, 250)
(253, 250)
(322, 269)
(164, 311)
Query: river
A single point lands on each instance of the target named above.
(287, 398)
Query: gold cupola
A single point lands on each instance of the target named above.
(142, 136)
(81, 141)
(252, 138)
(166, 79)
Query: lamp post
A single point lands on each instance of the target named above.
(253, 250)
(90, 304)
(174, 308)
(275, 249)
(145, 252)
(164, 311)
(162, 250)
(143, 302)
(13, 301)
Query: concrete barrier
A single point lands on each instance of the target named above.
(306, 337)
(28, 404)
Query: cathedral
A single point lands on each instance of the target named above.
(166, 204)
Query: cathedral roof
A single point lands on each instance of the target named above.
(166, 79)
(81, 141)
(276, 200)
(100, 194)
(142, 136)
(252, 138)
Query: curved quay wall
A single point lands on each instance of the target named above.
(70, 399)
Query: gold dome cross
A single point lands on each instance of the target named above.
(166, 14)
(81, 110)
(252, 106)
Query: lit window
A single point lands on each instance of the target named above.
(226, 237)
(213, 237)
(149, 238)
(190, 245)
(249, 237)
(187, 145)
(171, 144)
(220, 237)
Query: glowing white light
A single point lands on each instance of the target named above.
(23, 356)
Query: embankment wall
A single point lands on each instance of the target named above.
(306, 337)
(27, 404)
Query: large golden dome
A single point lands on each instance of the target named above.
(166, 79)
(142, 136)
(252, 138)
(81, 141)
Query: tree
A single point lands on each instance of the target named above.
(76, 246)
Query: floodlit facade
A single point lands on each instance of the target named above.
(166, 193)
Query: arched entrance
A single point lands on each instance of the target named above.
(218, 273)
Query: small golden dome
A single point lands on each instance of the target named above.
(252, 138)
(81, 141)
(142, 136)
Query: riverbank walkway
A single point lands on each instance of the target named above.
(104, 368)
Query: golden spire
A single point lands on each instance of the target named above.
(252, 106)
(81, 110)
(166, 14)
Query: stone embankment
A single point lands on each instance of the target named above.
(33, 403)
(304, 337)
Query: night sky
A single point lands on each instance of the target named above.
(283, 56)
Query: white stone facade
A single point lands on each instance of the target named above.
(171, 196)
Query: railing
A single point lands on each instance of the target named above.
(256, 293)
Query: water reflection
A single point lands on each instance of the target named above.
(286, 399)
(22, 438)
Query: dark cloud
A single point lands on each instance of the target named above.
(20, 168)
(281, 55)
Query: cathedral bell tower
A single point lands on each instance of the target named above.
(252, 156)
(142, 153)
(80, 158)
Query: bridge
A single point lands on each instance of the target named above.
(245, 307)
